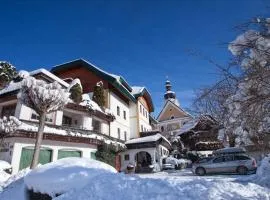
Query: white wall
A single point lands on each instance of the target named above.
(143, 118)
(119, 122)
(155, 152)
(19, 143)
(133, 120)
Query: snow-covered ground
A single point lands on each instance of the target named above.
(167, 185)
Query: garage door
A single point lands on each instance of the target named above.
(45, 156)
(68, 153)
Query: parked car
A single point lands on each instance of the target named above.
(228, 163)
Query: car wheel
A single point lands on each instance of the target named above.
(200, 171)
(242, 170)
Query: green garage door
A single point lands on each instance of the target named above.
(45, 156)
(93, 155)
(67, 153)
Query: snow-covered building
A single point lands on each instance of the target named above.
(200, 134)
(171, 117)
(130, 105)
(76, 131)
(145, 153)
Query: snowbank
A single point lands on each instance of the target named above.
(175, 161)
(122, 187)
(65, 174)
(13, 188)
(263, 172)
(4, 165)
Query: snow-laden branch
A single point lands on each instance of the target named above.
(9, 124)
(43, 97)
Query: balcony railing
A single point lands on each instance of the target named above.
(79, 129)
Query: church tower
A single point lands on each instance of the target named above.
(169, 94)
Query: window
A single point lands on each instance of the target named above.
(125, 134)
(118, 110)
(141, 128)
(140, 108)
(146, 114)
(8, 110)
(118, 131)
(228, 158)
(218, 160)
(124, 113)
(96, 125)
(162, 128)
(241, 157)
(126, 156)
(143, 112)
(49, 117)
(172, 117)
(66, 120)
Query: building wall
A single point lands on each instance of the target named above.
(133, 118)
(88, 79)
(170, 111)
(17, 144)
(157, 154)
(119, 122)
(143, 115)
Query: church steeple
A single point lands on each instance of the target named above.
(169, 94)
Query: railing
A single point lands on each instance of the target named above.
(79, 129)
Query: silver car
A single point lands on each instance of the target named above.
(230, 163)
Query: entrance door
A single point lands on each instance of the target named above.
(68, 153)
(45, 156)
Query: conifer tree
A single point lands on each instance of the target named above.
(7, 73)
(76, 93)
(98, 94)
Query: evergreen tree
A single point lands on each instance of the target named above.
(7, 73)
(106, 153)
(76, 93)
(98, 94)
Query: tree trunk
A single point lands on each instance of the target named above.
(38, 141)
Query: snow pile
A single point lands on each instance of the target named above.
(3, 177)
(88, 102)
(66, 174)
(174, 161)
(13, 188)
(263, 172)
(122, 187)
(4, 165)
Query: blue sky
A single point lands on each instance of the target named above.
(144, 41)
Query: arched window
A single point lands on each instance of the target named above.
(172, 117)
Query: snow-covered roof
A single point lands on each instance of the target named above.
(137, 89)
(151, 138)
(140, 91)
(188, 126)
(116, 80)
(13, 86)
(49, 74)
